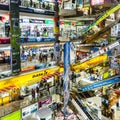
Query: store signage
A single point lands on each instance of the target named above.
(49, 22)
(97, 2)
(4, 40)
(39, 11)
(44, 103)
(113, 45)
(38, 21)
(101, 18)
(100, 84)
(38, 75)
(29, 110)
(13, 116)
(14, 37)
(38, 39)
(61, 22)
(79, 23)
(28, 78)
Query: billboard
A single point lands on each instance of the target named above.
(13, 116)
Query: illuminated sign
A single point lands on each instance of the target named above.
(97, 2)
(13, 116)
(28, 79)
(100, 84)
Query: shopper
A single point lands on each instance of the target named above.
(38, 92)
(48, 88)
(52, 56)
(33, 94)
(31, 3)
(40, 57)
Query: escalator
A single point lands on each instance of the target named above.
(101, 33)
(91, 114)
(86, 94)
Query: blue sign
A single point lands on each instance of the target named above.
(100, 84)
(66, 74)
(39, 39)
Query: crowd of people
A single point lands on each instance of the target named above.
(42, 56)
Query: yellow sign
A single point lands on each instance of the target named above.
(105, 15)
(27, 79)
(89, 63)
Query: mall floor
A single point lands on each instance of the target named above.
(25, 64)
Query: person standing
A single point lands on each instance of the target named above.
(38, 92)
(33, 94)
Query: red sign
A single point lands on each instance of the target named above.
(97, 2)
(4, 40)
(45, 102)
(61, 22)
(73, 23)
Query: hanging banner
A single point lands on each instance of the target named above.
(14, 35)
(101, 18)
(66, 74)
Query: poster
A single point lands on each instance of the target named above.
(14, 36)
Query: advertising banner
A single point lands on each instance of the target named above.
(66, 74)
(13, 116)
(29, 110)
(101, 18)
(15, 36)
(100, 84)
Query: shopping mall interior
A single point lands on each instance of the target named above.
(59, 59)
